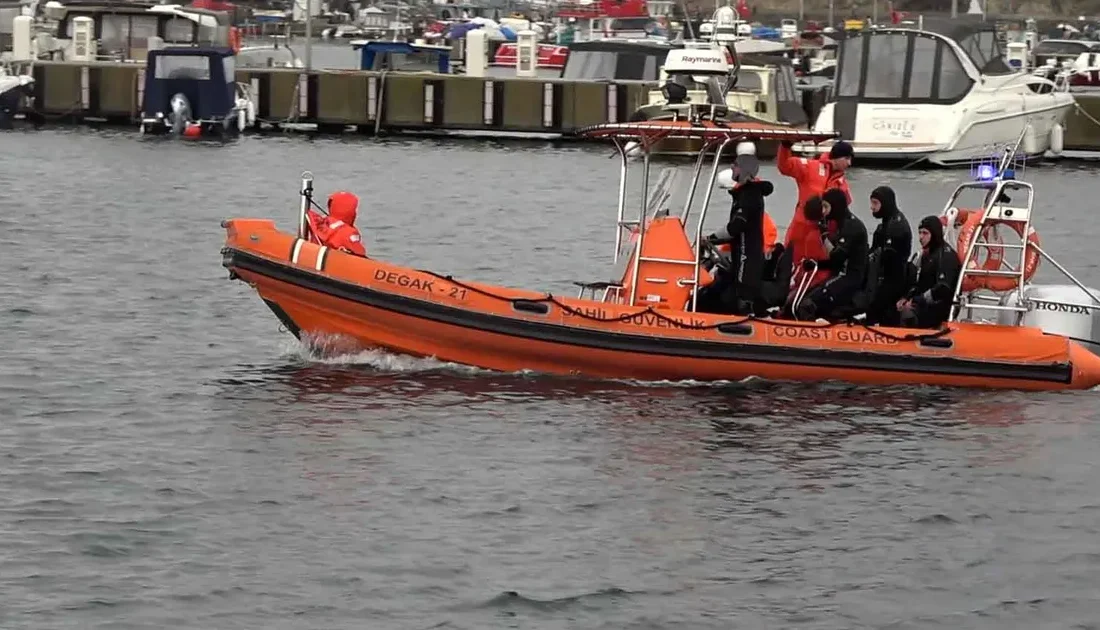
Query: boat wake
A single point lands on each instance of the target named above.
(333, 351)
(336, 352)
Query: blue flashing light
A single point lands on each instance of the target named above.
(988, 173)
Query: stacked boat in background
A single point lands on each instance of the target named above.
(939, 92)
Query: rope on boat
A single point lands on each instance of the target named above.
(1081, 110)
(675, 323)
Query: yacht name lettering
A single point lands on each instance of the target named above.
(1061, 308)
(402, 280)
(895, 127)
(658, 321)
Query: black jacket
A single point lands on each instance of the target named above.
(891, 245)
(848, 254)
(746, 231)
(937, 274)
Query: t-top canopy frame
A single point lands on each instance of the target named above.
(650, 131)
(713, 136)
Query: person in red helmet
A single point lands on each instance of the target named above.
(338, 230)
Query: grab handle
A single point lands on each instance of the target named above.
(803, 287)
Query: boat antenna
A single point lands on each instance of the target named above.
(687, 21)
(1010, 153)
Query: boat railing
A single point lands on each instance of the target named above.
(635, 137)
(804, 286)
(998, 208)
(995, 212)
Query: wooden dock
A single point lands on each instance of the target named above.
(338, 101)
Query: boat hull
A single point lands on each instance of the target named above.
(949, 135)
(317, 293)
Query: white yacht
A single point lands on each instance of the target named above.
(942, 93)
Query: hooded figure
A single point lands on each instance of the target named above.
(745, 233)
(888, 262)
(928, 303)
(812, 247)
(846, 260)
(338, 230)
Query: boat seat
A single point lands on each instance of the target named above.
(612, 287)
(596, 285)
(666, 271)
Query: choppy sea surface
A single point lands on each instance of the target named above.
(170, 459)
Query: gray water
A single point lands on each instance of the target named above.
(169, 459)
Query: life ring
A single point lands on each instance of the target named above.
(990, 258)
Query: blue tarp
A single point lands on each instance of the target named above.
(766, 32)
(458, 31)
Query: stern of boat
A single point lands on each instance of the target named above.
(885, 132)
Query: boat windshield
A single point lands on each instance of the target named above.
(1054, 47)
(408, 61)
(909, 66)
(631, 24)
(195, 67)
(985, 52)
(618, 64)
(267, 57)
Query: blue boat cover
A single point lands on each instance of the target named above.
(205, 76)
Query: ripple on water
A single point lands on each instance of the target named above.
(169, 459)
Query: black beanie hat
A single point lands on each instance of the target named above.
(841, 150)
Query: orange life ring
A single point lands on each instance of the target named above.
(994, 257)
(235, 39)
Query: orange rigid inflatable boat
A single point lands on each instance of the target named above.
(644, 325)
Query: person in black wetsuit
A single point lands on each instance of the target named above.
(847, 260)
(739, 289)
(888, 263)
(928, 303)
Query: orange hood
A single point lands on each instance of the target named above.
(343, 206)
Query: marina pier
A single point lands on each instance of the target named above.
(339, 101)
(371, 102)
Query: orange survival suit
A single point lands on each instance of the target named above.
(338, 230)
(814, 176)
(811, 246)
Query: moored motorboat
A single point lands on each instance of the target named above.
(742, 89)
(192, 92)
(643, 324)
(941, 94)
(13, 89)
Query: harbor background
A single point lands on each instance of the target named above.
(337, 98)
(171, 459)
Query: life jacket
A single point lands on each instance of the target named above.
(771, 233)
(813, 176)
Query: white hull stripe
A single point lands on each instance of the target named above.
(321, 259)
(297, 250)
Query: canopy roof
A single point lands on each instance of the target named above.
(650, 130)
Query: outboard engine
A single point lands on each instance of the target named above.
(1059, 309)
(180, 115)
